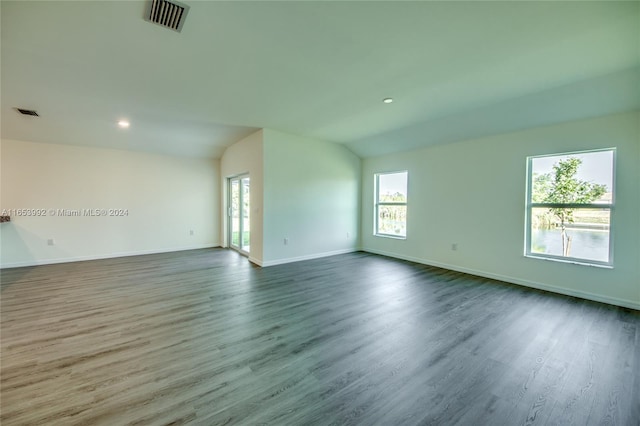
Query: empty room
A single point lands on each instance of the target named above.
(320, 212)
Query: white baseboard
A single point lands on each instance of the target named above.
(104, 256)
(301, 258)
(256, 261)
(526, 283)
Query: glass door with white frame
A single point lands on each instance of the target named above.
(239, 218)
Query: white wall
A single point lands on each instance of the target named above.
(166, 197)
(245, 157)
(311, 197)
(473, 193)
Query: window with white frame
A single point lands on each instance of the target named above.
(570, 199)
(391, 204)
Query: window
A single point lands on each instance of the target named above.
(570, 198)
(391, 204)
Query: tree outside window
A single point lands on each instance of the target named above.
(569, 206)
(391, 204)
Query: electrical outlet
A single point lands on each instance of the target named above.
(50, 242)
(286, 241)
(454, 246)
(191, 232)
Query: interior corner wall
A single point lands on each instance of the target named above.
(472, 193)
(165, 198)
(245, 157)
(311, 198)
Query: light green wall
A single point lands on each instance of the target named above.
(473, 193)
(165, 198)
(311, 197)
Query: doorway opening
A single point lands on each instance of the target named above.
(239, 213)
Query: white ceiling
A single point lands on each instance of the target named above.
(456, 70)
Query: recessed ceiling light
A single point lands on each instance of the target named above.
(387, 100)
(123, 123)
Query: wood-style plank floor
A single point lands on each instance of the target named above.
(203, 337)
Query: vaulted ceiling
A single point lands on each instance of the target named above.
(320, 69)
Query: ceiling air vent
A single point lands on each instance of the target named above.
(28, 112)
(169, 14)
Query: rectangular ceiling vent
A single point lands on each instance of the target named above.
(169, 14)
(28, 112)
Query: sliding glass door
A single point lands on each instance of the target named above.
(239, 219)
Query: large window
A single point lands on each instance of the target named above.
(391, 204)
(570, 199)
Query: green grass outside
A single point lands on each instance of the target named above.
(245, 238)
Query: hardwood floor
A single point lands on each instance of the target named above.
(204, 337)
